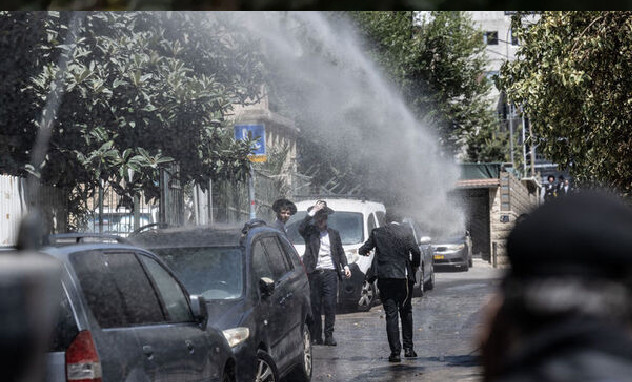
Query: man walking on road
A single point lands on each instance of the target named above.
(395, 279)
(324, 261)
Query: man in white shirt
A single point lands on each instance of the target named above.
(325, 262)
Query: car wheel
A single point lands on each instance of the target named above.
(431, 280)
(229, 374)
(266, 368)
(367, 296)
(303, 370)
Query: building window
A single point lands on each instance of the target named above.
(491, 38)
(514, 38)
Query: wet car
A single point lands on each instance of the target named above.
(124, 316)
(426, 270)
(256, 290)
(453, 251)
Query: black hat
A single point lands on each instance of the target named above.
(586, 234)
(282, 203)
(326, 210)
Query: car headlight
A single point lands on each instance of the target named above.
(352, 256)
(455, 247)
(235, 336)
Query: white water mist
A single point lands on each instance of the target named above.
(346, 97)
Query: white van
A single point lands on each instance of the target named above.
(354, 219)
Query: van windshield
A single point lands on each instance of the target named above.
(349, 224)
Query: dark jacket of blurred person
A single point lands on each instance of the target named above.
(565, 308)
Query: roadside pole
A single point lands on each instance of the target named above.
(257, 154)
(251, 193)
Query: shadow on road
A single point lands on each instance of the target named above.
(466, 360)
(392, 372)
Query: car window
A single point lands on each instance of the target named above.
(260, 263)
(173, 297)
(116, 289)
(371, 222)
(381, 217)
(349, 224)
(213, 272)
(278, 261)
(66, 327)
(291, 253)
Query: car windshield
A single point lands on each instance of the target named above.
(215, 273)
(450, 240)
(349, 224)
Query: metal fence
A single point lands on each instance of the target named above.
(16, 202)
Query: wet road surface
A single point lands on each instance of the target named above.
(445, 321)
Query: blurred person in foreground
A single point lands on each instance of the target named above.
(395, 269)
(284, 208)
(565, 308)
(325, 262)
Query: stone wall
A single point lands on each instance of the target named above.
(510, 200)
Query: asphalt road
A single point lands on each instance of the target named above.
(445, 322)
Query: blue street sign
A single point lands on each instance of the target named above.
(258, 132)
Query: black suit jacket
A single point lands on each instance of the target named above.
(311, 234)
(393, 245)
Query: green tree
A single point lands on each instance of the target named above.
(572, 77)
(140, 90)
(438, 62)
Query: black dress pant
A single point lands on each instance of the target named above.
(396, 297)
(323, 286)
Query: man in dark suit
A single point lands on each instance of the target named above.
(324, 261)
(395, 271)
(284, 208)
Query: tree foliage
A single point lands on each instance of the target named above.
(438, 62)
(572, 77)
(140, 90)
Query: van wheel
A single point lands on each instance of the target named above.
(303, 370)
(367, 296)
(266, 368)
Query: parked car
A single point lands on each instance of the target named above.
(125, 317)
(453, 251)
(426, 270)
(354, 219)
(256, 289)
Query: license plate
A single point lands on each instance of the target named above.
(438, 257)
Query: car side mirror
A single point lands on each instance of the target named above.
(266, 286)
(199, 310)
(425, 240)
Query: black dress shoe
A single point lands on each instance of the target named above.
(330, 341)
(317, 342)
(394, 357)
(410, 353)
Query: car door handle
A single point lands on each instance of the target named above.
(190, 346)
(149, 352)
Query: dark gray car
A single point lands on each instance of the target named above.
(256, 290)
(125, 317)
